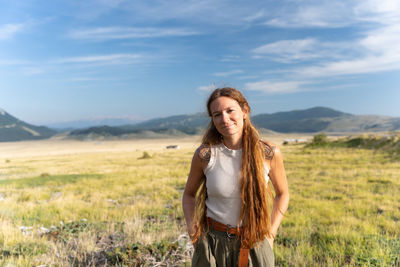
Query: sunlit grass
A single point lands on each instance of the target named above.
(108, 208)
(344, 208)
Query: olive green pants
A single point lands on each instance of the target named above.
(217, 249)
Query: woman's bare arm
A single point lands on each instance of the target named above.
(196, 175)
(279, 181)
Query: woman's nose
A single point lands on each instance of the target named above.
(225, 117)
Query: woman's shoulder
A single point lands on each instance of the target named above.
(204, 152)
(270, 149)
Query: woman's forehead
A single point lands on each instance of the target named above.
(222, 103)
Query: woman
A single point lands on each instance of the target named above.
(226, 200)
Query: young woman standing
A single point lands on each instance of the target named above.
(226, 201)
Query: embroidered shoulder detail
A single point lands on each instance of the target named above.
(269, 150)
(204, 153)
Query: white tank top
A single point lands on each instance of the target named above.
(223, 186)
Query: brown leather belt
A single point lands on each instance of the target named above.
(230, 231)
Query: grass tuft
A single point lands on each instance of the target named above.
(145, 155)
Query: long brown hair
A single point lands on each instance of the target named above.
(255, 210)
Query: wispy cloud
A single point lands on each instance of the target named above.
(13, 62)
(83, 79)
(105, 59)
(201, 13)
(207, 88)
(334, 14)
(315, 14)
(375, 49)
(228, 73)
(7, 31)
(380, 11)
(230, 58)
(382, 53)
(378, 51)
(247, 77)
(274, 87)
(111, 33)
(256, 16)
(287, 51)
(32, 70)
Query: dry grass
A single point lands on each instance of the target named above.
(103, 203)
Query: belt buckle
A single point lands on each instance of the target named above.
(229, 235)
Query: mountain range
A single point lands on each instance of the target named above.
(86, 123)
(13, 129)
(312, 120)
(317, 119)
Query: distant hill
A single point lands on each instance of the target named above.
(86, 123)
(317, 119)
(312, 120)
(13, 129)
(305, 121)
(322, 119)
(189, 124)
(179, 125)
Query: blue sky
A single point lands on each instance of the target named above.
(69, 60)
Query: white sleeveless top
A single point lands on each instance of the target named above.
(223, 186)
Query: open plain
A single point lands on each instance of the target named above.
(118, 203)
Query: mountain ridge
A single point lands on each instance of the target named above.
(312, 120)
(13, 129)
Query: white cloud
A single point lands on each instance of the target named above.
(382, 53)
(83, 79)
(201, 13)
(376, 48)
(334, 14)
(365, 65)
(274, 87)
(286, 46)
(8, 31)
(111, 33)
(111, 3)
(384, 40)
(230, 58)
(247, 77)
(323, 13)
(228, 73)
(377, 51)
(32, 70)
(13, 62)
(288, 50)
(381, 11)
(108, 59)
(210, 87)
(256, 16)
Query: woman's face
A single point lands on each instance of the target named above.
(228, 116)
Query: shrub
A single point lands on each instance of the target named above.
(320, 139)
(145, 155)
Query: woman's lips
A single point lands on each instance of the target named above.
(227, 126)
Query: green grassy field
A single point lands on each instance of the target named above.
(113, 206)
